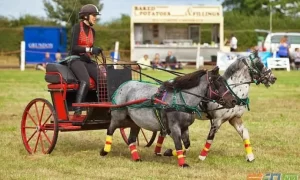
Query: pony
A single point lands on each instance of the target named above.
(181, 97)
(239, 75)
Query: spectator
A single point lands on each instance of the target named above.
(297, 58)
(171, 62)
(144, 62)
(57, 57)
(46, 60)
(233, 43)
(156, 61)
(283, 48)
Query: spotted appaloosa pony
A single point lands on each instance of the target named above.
(182, 97)
(239, 75)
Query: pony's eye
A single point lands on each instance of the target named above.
(216, 91)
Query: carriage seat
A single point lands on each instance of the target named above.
(61, 77)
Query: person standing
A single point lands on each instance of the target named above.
(233, 43)
(82, 45)
(283, 48)
(297, 58)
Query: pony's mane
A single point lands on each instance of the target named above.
(234, 67)
(187, 81)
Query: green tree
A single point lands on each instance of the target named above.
(115, 30)
(66, 11)
(288, 7)
(255, 7)
(4, 21)
(248, 7)
(31, 20)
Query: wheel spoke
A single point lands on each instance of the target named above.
(31, 136)
(145, 137)
(48, 139)
(37, 112)
(42, 144)
(31, 118)
(40, 118)
(47, 119)
(37, 141)
(29, 127)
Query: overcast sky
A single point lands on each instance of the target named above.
(112, 8)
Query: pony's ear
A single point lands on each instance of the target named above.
(216, 70)
(255, 52)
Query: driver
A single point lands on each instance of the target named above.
(82, 45)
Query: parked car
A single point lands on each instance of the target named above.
(272, 41)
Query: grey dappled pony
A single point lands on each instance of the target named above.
(182, 96)
(239, 75)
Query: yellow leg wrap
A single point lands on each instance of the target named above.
(158, 145)
(174, 153)
(248, 148)
(246, 141)
(180, 156)
(108, 141)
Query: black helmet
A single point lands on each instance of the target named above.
(88, 9)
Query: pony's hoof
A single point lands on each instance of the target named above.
(168, 152)
(250, 158)
(103, 153)
(185, 165)
(202, 158)
(157, 154)
(138, 160)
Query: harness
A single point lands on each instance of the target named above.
(174, 106)
(157, 108)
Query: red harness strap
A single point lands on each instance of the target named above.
(85, 40)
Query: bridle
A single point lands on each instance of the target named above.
(213, 93)
(257, 76)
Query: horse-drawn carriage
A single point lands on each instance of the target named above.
(169, 108)
(42, 120)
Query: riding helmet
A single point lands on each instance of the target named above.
(88, 9)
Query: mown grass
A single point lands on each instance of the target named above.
(273, 123)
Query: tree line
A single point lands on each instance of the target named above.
(241, 17)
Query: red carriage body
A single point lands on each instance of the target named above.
(41, 120)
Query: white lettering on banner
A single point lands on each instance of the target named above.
(40, 45)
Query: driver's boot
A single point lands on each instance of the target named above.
(81, 93)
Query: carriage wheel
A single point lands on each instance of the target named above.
(39, 127)
(146, 135)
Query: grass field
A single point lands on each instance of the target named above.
(273, 122)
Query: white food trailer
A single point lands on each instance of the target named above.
(163, 28)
